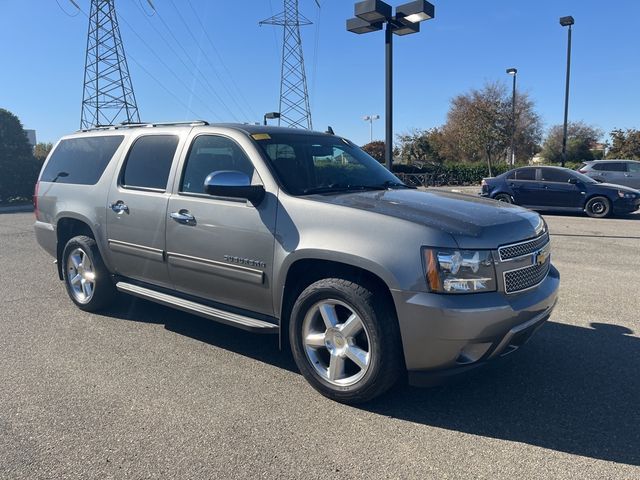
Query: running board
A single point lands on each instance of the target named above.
(222, 316)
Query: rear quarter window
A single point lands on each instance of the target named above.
(611, 166)
(81, 161)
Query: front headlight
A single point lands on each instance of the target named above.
(459, 271)
(623, 194)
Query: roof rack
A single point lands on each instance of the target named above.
(192, 123)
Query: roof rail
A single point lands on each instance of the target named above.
(192, 123)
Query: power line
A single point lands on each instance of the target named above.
(67, 13)
(206, 57)
(224, 66)
(132, 58)
(159, 58)
(206, 82)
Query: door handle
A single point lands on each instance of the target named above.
(119, 207)
(184, 217)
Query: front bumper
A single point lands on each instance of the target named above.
(443, 335)
(626, 205)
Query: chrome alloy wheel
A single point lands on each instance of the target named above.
(336, 342)
(80, 275)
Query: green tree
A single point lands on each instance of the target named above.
(18, 168)
(375, 149)
(480, 125)
(625, 144)
(41, 150)
(580, 139)
(419, 147)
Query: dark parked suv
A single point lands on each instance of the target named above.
(298, 234)
(560, 189)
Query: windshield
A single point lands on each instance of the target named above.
(308, 164)
(583, 178)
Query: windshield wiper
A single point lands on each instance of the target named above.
(341, 187)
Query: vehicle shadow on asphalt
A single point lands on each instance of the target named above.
(570, 389)
(264, 348)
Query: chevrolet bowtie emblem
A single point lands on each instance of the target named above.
(540, 257)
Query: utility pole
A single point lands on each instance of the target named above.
(566, 22)
(108, 96)
(294, 96)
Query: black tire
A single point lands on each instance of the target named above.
(503, 197)
(379, 328)
(103, 291)
(598, 207)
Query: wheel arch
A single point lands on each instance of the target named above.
(69, 226)
(302, 271)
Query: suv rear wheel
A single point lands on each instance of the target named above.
(86, 278)
(345, 340)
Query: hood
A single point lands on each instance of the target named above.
(473, 222)
(613, 186)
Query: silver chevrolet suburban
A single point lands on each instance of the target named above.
(298, 234)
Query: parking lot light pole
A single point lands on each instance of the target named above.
(271, 116)
(370, 119)
(371, 16)
(566, 22)
(514, 73)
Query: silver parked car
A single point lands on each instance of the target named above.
(301, 235)
(618, 172)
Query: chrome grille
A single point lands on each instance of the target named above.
(521, 249)
(527, 277)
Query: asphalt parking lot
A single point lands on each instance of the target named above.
(142, 391)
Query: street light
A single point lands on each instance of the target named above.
(566, 22)
(514, 73)
(271, 116)
(370, 119)
(371, 16)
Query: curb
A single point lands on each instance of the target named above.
(17, 209)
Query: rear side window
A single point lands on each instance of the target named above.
(634, 167)
(526, 174)
(81, 161)
(611, 166)
(149, 162)
(553, 175)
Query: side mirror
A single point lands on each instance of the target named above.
(574, 181)
(234, 184)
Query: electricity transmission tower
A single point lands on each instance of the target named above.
(294, 96)
(108, 96)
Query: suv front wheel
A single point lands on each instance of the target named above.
(345, 340)
(86, 278)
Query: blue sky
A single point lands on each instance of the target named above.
(469, 43)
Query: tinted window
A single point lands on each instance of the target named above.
(210, 153)
(81, 160)
(526, 174)
(511, 175)
(149, 162)
(554, 175)
(634, 167)
(611, 166)
(307, 164)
